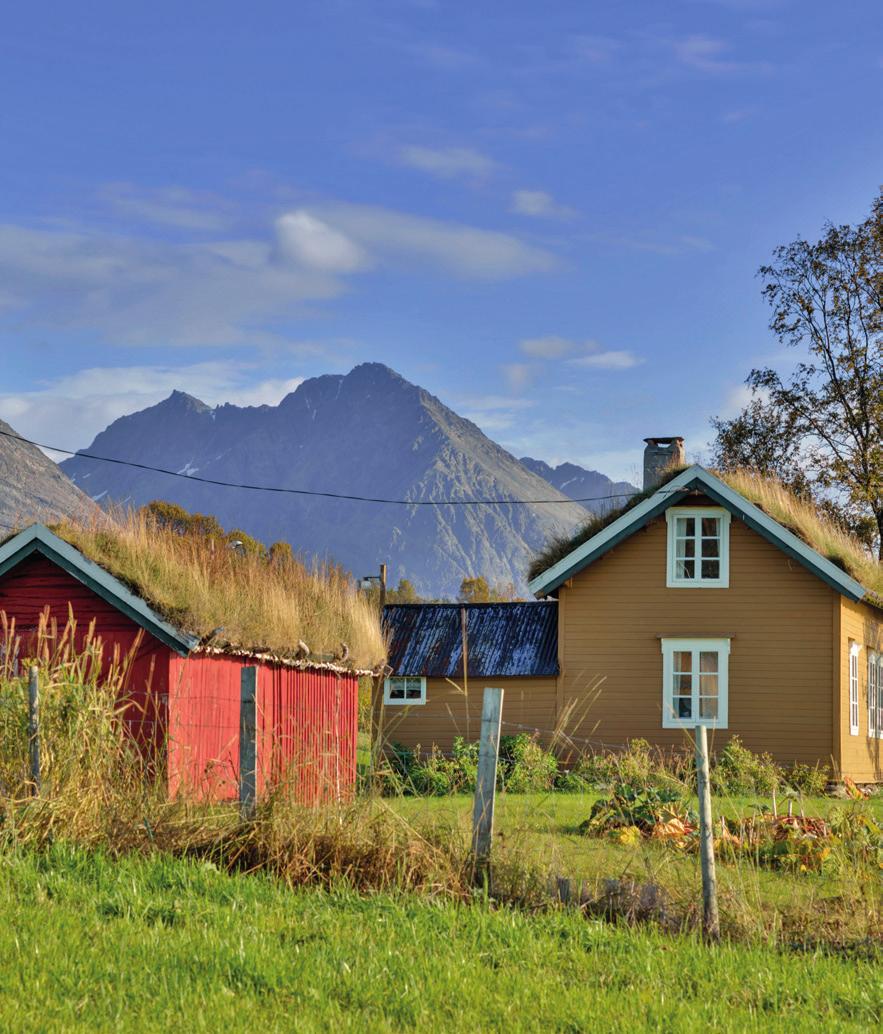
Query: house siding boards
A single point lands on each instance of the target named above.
(529, 704)
(861, 756)
(781, 664)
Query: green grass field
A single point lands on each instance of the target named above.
(139, 945)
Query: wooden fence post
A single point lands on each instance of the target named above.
(710, 919)
(486, 783)
(248, 745)
(34, 728)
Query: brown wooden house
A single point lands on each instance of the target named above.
(695, 606)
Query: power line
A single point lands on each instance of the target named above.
(308, 492)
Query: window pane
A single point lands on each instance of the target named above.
(683, 685)
(683, 661)
(396, 689)
(711, 548)
(711, 526)
(708, 661)
(708, 685)
(685, 548)
(685, 526)
(711, 568)
(685, 568)
(708, 707)
(683, 707)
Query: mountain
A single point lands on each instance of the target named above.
(578, 483)
(368, 433)
(32, 488)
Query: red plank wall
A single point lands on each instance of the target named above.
(37, 583)
(307, 726)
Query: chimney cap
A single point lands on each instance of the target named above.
(674, 439)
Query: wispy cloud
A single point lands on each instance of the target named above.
(549, 347)
(518, 376)
(607, 359)
(447, 162)
(166, 206)
(305, 238)
(539, 204)
(83, 403)
(708, 54)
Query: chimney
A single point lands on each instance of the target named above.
(660, 455)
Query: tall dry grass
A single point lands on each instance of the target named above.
(201, 586)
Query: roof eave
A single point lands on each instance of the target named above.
(39, 539)
(697, 477)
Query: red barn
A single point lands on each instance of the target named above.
(188, 693)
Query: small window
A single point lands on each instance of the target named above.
(404, 690)
(878, 724)
(873, 669)
(695, 682)
(853, 688)
(698, 548)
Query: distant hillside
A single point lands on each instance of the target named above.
(369, 432)
(578, 483)
(32, 488)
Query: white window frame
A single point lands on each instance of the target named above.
(672, 580)
(405, 701)
(873, 673)
(695, 646)
(854, 649)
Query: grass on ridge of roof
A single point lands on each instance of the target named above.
(258, 604)
(771, 496)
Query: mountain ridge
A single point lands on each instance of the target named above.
(369, 432)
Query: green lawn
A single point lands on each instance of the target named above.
(157, 944)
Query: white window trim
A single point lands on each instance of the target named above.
(669, 647)
(854, 649)
(404, 703)
(698, 512)
(880, 696)
(872, 691)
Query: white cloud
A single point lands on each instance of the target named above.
(539, 205)
(307, 239)
(549, 347)
(70, 410)
(168, 206)
(137, 289)
(706, 54)
(595, 49)
(465, 251)
(608, 360)
(447, 162)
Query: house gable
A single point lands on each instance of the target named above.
(38, 539)
(676, 491)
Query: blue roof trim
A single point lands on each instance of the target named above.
(697, 477)
(39, 539)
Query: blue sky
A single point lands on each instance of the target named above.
(550, 215)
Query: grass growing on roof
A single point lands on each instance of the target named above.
(200, 584)
(797, 515)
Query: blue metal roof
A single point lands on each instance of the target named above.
(503, 639)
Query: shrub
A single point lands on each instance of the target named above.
(433, 776)
(737, 770)
(810, 780)
(525, 766)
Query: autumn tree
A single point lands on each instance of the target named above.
(825, 417)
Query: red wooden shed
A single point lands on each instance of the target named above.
(187, 693)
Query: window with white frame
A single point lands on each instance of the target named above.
(400, 689)
(873, 668)
(695, 682)
(878, 725)
(853, 688)
(698, 547)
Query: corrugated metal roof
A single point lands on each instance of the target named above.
(503, 639)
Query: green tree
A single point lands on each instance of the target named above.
(245, 543)
(404, 592)
(168, 515)
(827, 303)
(281, 554)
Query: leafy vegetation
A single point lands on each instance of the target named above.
(250, 598)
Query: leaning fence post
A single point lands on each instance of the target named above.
(248, 747)
(34, 728)
(710, 919)
(486, 783)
